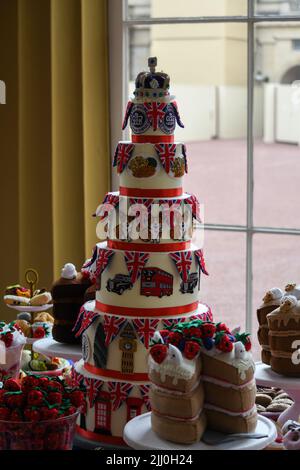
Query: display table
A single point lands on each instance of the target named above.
(265, 376)
(138, 434)
(50, 347)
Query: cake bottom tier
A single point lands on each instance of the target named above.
(109, 405)
(221, 421)
(179, 431)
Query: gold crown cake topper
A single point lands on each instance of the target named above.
(152, 80)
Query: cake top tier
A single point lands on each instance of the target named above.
(152, 112)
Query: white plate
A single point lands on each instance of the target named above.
(29, 308)
(55, 372)
(139, 435)
(50, 347)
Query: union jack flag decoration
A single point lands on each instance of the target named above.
(112, 325)
(84, 320)
(171, 322)
(183, 261)
(119, 393)
(194, 203)
(92, 387)
(122, 156)
(104, 257)
(166, 153)
(85, 270)
(76, 378)
(110, 200)
(135, 261)
(145, 329)
(145, 202)
(155, 112)
(127, 114)
(144, 389)
(200, 258)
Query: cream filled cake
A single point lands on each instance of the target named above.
(202, 376)
(146, 274)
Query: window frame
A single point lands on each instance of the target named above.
(119, 25)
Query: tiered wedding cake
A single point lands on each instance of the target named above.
(146, 279)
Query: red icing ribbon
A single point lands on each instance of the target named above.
(149, 248)
(152, 139)
(146, 312)
(115, 374)
(138, 192)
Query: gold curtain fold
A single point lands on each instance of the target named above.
(54, 134)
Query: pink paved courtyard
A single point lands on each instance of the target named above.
(218, 177)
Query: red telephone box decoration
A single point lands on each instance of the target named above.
(134, 407)
(103, 413)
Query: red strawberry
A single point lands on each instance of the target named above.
(12, 385)
(55, 386)
(29, 382)
(4, 413)
(159, 352)
(191, 349)
(54, 398)
(71, 411)
(39, 332)
(16, 415)
(52, 414)
(195, 332)
(174, 338)
(77, 398)
(164, 334)
(32, 415)
(208, 330)
(7, 339)
(248, 344)
(225, 345)
(44, 382)
(35, 398)
(15, 400)
(222, 327)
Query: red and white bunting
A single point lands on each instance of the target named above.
(135, 261)
(122, 156)
(195, 206)
(200, 258)
(155, 112)
(145, 329)
(185, 158)
(177, 115)
(166, 153)
(119, 393)
(93, 387)
(144, 202)
(205, 316)
(127, 114)
(183, 261)
(112, 325)
(144, 390)
(170, 322)
(84, 320)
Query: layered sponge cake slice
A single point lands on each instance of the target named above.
(176, 395)
(202, 376)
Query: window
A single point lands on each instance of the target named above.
(241, 113)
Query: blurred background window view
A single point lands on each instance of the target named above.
(208, 65)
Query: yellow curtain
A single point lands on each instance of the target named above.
(54, 135)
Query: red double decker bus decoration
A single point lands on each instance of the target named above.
(156, 282)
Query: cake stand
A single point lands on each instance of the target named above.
(139, 435)
(265, 376)
(50, 347)
(30, 308)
